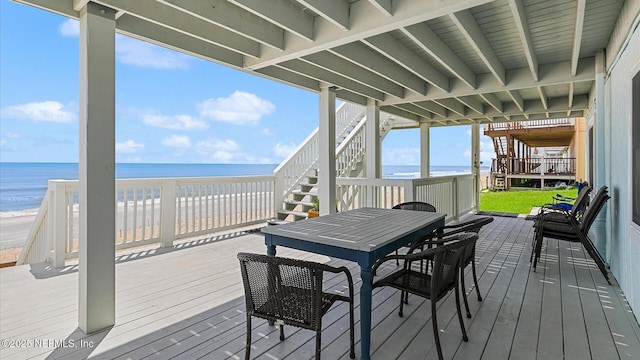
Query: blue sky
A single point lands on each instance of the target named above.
(170, 107)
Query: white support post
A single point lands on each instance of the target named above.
(327, 151)
(58, 221)
(475, 162)
(168, 213)
(97, 194)
(425, 164)
(372, 141)
(602, 151)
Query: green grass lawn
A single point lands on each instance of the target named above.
(519, 202)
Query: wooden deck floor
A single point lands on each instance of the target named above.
(188, 303)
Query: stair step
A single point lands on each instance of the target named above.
(305, 193)
(299, 202)
(297, 214)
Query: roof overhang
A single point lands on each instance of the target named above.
(447, 62)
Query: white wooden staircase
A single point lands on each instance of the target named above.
(298, 174)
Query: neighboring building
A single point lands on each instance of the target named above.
(537, 153)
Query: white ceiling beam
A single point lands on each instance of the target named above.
(365, 21)
(534, 110)
(334, 11)
(492, 100)
(475, 36)
(346, 68)
(281, 13)
(79, 4)
(543, 97)
(472, 103)
(429, 41)
(166, 16)
(550, 74)
(570, 97)
(394, 50)
(307, 69)
(359, 53)
(517, 9)
(404, 114)
(433, 107)
(453, 105)
(384, 6)
(420, 112)
(232, 18)
(291, 78)
(516, 98)
(150, 32)
(577, 35)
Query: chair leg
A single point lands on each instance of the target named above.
(538, 250)
(281, 332)
(318, 343)
(401, 303)
(464, 331)
(352, 352)
(247, 352)
(434, 322)
(475, 280)
(464, 294)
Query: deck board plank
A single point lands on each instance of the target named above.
(189, 303)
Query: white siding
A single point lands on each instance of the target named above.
(625, 236)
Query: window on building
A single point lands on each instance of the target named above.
(635, 138)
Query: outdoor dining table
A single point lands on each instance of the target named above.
(363, 235)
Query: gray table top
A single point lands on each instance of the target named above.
(364, 229)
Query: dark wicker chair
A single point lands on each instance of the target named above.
(289, 291)
(432, 282)
(573, 230)
(415, 206)
(440, 237)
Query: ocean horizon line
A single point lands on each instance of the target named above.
(24, 184)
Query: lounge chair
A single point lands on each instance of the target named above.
(573, 229)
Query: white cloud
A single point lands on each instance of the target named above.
(47, 111)
(401, 156)
(139, 53)
(177, 141)
(224, 151)
(129, 147)
(222, 145)
(284, 150)
(239, 108)
(176, 122)
(266, 132)
(70, 27)
(134, 52)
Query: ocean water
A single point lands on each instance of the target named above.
(23, 185)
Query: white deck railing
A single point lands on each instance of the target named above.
(163, 210)
(151, 211)
(453, 195)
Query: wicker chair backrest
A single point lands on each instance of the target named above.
(415, 205)
(283, 289)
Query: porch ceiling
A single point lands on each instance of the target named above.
(445, 62)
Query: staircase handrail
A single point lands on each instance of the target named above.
(294, 169)
(353, 149)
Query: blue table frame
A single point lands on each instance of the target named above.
(362, 235)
